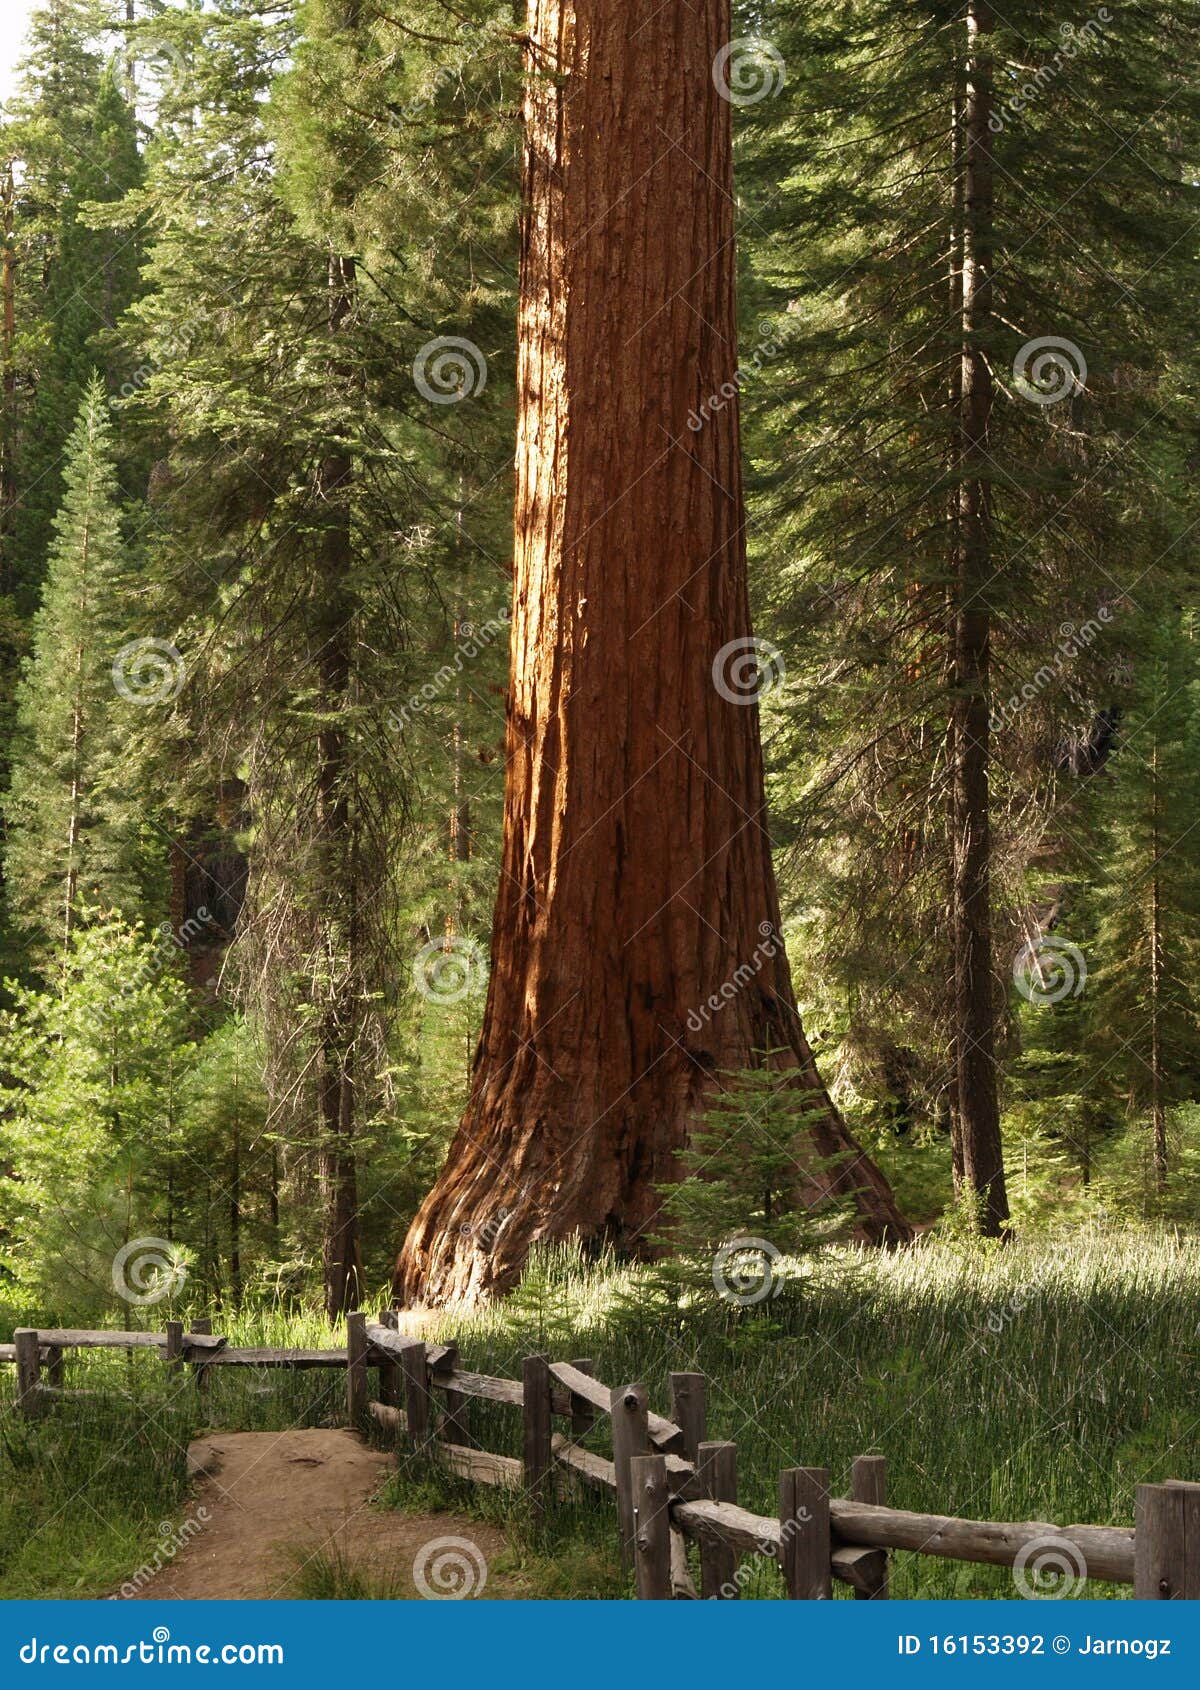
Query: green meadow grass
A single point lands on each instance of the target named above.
(1032, 1382)
(1039, 1381)
(88, 1492)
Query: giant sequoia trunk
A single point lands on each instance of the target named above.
(636, 875)
(978, 1157)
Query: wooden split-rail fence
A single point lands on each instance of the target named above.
(671, 1484)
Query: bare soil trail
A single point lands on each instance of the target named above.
(268, 1502)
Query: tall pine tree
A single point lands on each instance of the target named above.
(72, 813)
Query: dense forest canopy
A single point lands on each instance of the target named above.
(785, 828)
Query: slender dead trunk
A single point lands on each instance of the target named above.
(74, 816)
(954, 411)
(980, 1155)
(338, 890)
(235, 1219)
(130, 60)
(637, 879)
(8, 366)
(1158, 1110)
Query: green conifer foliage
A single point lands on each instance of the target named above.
(1144, 1021)
(73, 138)
(72, 815)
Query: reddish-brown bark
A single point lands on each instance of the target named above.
(978, 1151)
(637, 872)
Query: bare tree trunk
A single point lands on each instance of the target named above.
(981, 1156)
(954, 411)
(1158, 1111)
(636, 872)
(130, 60)
(8, 366)
(235, 1219)
(71, 886)
(339, 890)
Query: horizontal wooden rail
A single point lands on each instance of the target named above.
(665, 1434)
(268, 1357)
(846, 1538)
(1106, 1551)
(393, 1345)
(481, 1465)
(482, 1385)
(593, 1468)
(71, 1338)
(387, 1415)
(727, 1523)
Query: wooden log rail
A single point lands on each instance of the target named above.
(670, 1484)
(38, 1355)
(662, 1464)
(69, 1338)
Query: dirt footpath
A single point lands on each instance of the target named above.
(269, 1501)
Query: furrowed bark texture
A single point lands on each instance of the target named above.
(338, 859)
(978, 1153)
(636, 875)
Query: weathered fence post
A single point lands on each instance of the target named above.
(583, 1415)
(457, 1424)
(689, 1410)
(418, 1403)
(805, 1549)
(173, 1348)
(202, 1327)
(652, 1527)
(868, 1483)
(356, 1367)
(54, 1365)
(29, 1372)
(1166, 1542)
(630, 1437)
(389, 1371)
(535, 1448)
(716, 1469)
